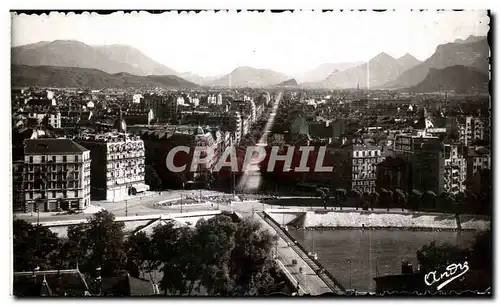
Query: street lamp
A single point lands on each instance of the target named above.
(182, 192)
(350, 275)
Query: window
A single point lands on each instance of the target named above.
(64, 159)
(31, 195)
(53, 194)
(53, 158)
(43, 159)
(76, 158)
(76, 193)
(31, 159)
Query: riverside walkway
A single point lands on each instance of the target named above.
(310, 282)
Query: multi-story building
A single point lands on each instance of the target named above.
(427, 164)
(227, 121)
(56, 175)
(211, 99)
(53, 118)
(117, 165)
(357, 164)
(364, 161)
(392, 174)
(471, 129)
(478, 160)
(245, 125)
(17, 185)
(425, 155)
(219, 99)
(455, 168)
(159, 143)
(157, 103)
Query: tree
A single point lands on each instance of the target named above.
(141, 261)
(151, 178)
(445, 201)
(215, 238)
(167, 246)
(386, 198)
(324, 194)
(251, 265)
(460, 199)
(354, 193)
(34, 246)
(433, 257)
(400, 198)
(340, 196)
(481, 251)
(414, 199)
(99, 244)
(428, 199)
(374, 198)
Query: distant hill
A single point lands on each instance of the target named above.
(457, 78)
(291, 83)
(72, 53)
(249, 77)
(473, 54)
(469, 39)
(407, 62)
(70, 77)
(323, 71)
(377, 71)
(194, 78)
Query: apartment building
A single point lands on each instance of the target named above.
(159, 143)
(478, 161)
(56, 175)
(357, 165)
(424, 153)
(471, 129)
(118, 166)
(455, 168)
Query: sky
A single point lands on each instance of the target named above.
(210, 43)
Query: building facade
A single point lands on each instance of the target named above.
(118, 166)
(455, 168)
(478, 160)
(56, 175)
(392, 174)
(471, 129)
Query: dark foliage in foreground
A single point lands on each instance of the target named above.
(220, 256)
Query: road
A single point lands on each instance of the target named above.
(307, 278)
(140, 205)
(252, 179)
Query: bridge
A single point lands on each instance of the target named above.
(310, 276)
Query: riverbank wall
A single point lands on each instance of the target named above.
(350, 219)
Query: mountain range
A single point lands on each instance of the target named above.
(250, 77)
(291, 83)
(456, 78)
(115, 61)
(323, 71)
(473, 52)
(71, 77)
(70, 53)
(376, 72)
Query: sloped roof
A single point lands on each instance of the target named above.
(148, 228)
(52, 146)
(58, 282)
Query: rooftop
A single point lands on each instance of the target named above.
(52, 146)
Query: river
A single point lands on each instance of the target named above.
(353, 256)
